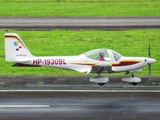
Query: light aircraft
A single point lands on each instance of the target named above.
(94, 61)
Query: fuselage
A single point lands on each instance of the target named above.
(83, 64)
(131, 63)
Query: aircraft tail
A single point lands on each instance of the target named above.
(15, 49)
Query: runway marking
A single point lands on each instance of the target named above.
(24, 106)
(91, 91)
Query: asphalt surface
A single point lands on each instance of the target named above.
(79, 105)
(74, 97)
(106, 23)
(41, 82)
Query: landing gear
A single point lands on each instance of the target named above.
(99, 75)
(133, 80)
(100, 80)
(134, 83)
(101, 84)
(132, 75)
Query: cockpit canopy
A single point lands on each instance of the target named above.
(103, 55)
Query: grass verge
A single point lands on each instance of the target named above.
(61, 42)
(80, 8)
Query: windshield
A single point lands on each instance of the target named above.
(99, 54)
(116, 56)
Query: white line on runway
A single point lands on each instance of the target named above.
(107, 91)
(24, 106)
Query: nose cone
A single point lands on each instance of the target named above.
(151, 60)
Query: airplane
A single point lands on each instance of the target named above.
(95, 61)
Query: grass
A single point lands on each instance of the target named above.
(56, 42)
(79, 8)
(61, 42)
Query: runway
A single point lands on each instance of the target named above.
(102, 23)
(74, 97)
(49, 82)
(79, 105)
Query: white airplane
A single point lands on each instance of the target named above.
(94, 61)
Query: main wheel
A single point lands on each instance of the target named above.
(134, 83)
(101, 84)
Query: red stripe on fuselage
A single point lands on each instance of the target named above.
(125, 63)
(86, 64)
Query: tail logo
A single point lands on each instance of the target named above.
(17, 46)
(16, 43)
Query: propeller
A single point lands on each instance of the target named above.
(149, 65)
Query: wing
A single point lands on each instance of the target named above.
(92, 67)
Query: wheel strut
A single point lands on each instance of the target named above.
(132, 75)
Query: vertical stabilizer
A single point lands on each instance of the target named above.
(15, 49)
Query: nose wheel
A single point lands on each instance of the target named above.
(133, 83)
(101, 84)
(133, 80)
